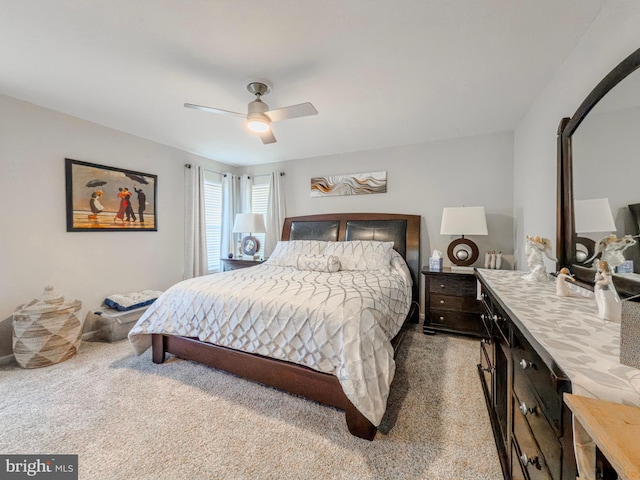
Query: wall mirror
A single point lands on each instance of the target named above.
(599, 176)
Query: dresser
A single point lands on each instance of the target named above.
(539, 347)
(451, 304)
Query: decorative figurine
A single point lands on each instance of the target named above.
(493, 260)
(534, 248)
(562, 286)
(607, 299)
(612, 247)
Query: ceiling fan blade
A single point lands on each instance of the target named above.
(268, 137)
(294, 111)
(215, 110)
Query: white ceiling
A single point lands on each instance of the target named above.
(380, 72)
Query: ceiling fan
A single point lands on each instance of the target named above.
(259, 117)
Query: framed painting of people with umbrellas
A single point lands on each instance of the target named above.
(102, 198)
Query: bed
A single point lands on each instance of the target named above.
(337, 378)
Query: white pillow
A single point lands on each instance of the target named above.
(318, 263)
(286, 253)
(400, 265)
(361, 254)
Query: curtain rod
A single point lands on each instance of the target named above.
(188, 165)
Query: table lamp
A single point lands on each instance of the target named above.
(249, 223)
(591, 216)
(463, 221)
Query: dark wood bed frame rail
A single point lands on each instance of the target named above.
(290, 377)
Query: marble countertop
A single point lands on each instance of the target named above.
(585, 347)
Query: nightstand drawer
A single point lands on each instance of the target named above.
(450, 303)
(456, 321)
(459, 304)
(459, 286)
(529, 407)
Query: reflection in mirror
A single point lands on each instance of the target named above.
(606, 175)
(592, 219)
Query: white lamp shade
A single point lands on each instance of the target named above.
(593, 216)
(463, 221)
(249, 223)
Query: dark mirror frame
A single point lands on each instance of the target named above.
(565, 222)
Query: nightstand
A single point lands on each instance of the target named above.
(451, 304)
(237, 263)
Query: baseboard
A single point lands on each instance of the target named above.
(7, 360)
(90, 336)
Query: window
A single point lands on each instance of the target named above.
(213, 218)
(259, 202)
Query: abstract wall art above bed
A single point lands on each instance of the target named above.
(350, 184)
(103, 198)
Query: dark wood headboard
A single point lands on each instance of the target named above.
(403, 230)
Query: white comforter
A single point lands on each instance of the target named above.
(339, 323)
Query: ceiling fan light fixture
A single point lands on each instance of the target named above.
(258, 123)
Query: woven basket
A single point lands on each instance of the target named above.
(46, 331)
(630, 334)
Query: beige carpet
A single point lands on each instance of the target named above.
(127, 418)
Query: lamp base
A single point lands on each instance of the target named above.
(463, 252)
(585, 249)
(250, 245)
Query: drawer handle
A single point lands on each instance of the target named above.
(495, 318)
(526, 365)
(441, 285)
(535, 461)
(441, 318)
(442, 302)
(526, 410)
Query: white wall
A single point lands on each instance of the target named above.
(610, 39)
(35, 248)
(421, 180)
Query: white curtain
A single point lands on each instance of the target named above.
(231, 204)
(195, 255)
(246, 182)
(276, 212)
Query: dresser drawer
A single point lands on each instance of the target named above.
(529, 407)
(456, 321)
(527, 364)
(457, 285)
(459, 304)
(527, 452)
(495, 320)
(486, 366)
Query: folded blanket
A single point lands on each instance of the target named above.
(130, 301)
